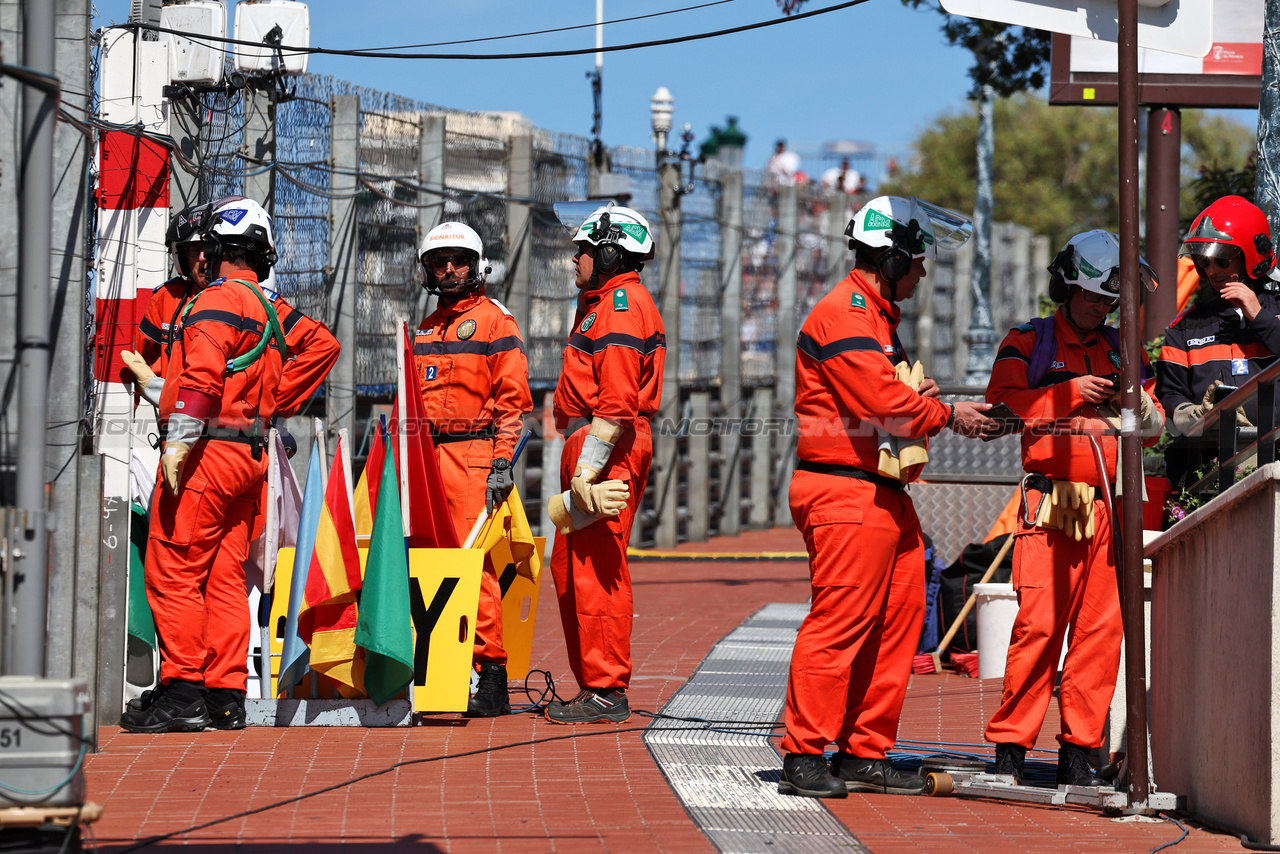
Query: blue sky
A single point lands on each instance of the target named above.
(878, 72)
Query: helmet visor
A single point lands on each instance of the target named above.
(1222, 253)
(950, 229)
(573, 214)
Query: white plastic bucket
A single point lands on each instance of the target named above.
(997, 609)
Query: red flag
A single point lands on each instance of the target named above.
(367, 489)
(429, 523)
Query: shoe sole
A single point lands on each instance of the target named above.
(874, 789)
(487, 713)
(175, 725)
(603, 719)
(227, 726)
(787, 788)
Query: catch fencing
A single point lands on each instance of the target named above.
(420, 164)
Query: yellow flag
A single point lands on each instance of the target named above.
(508, 528)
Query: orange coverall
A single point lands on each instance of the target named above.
(312, 353)
(474, 376)
(852, 657)
(612, 369)
(1060, 581)
(198, 540)
(163, 315)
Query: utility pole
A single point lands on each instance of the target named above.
(665, 448)
(28, 577)
(597, 164)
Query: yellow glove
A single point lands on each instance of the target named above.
(171, 463)
(914, 453)
(142, 373)
(608, 497)
(596, 450)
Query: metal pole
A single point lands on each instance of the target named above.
(1130, 444)
(25, 650)
(1267, 184)
(1164, 143)
(731, 403)
(981, 337)
(665, 448)
(344, 250)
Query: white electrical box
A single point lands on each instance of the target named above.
(256, 21)
(198, 62)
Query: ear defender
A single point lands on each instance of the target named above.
(894, 263)
(608, 258)
(1059, 290)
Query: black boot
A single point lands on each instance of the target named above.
(226, 708)
(1009, 760)
(175, 707)
(807, 774)
(491, 698)
(875, 775)
(1073, 766)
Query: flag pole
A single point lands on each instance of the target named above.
(268, 556)
(402, 437)
(484, 514)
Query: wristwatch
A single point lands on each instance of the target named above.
(500, 464)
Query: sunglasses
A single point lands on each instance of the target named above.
(440, 260)
(1220, 261)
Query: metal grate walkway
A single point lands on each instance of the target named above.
(728, 780)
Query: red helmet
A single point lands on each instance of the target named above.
(1230, 225)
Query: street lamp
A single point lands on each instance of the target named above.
(732, 141)
(661, 106)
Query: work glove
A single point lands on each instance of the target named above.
(899, 457)
(609, 497)
(171, 463)
(148, 384)
(501, 482)
(1069, 508)
(596, 450)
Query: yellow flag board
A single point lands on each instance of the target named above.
(519, 610)
(444, 594)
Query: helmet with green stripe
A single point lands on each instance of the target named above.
(621, 238)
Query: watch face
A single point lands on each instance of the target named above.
(501, 465)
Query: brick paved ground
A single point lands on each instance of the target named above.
(601, 792)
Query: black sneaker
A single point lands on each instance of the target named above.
(590, 706)
(875, 775)
(490, 699)
(1009, 761)
(807, 775)
(176, 707)
(142, 703)
(225, 707)
(1073, 766)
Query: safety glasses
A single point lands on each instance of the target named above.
(439, 260)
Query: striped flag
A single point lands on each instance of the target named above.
(367, 489)
(327, 618)
(295, 657)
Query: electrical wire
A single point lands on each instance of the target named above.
(376, 53)
(557, 29)
(1185, 832)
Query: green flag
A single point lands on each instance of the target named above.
(384, 629)
(140, 622)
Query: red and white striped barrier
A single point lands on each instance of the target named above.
(133, 211)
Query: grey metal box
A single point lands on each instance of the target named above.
(42, 740)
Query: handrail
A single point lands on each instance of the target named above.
(1223, 413)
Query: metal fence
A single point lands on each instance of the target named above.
(501, 175)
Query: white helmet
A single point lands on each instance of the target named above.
(243, 223)
(455, 236)
(612, 228)
(893, 222)
(1091, 261)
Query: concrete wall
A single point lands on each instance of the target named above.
(1215, 732)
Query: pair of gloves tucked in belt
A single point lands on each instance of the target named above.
(900, 458)
(586, 501)
(1068, 507)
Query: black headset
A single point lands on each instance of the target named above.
(607, 257)
(214, 246)
(1059, 289)
(893, 261)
